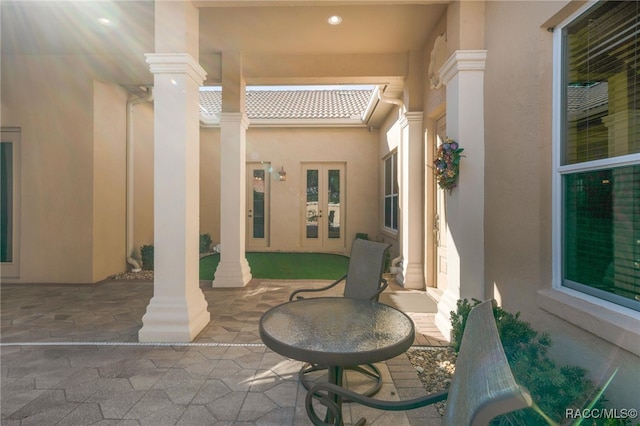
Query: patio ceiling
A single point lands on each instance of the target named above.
(283, 42)
(304, 30)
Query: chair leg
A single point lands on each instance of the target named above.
(370, 371)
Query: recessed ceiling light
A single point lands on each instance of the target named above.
(334, 20)
(105, 21)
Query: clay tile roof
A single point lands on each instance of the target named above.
(581, 99)
(294, 104)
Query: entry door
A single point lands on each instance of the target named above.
(258, 185)
(440, 219)
(323, 215)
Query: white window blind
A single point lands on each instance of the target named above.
(601, 205)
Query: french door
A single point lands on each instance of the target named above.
(258, 204)
(323, 213)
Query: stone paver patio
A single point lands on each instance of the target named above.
(70, 356)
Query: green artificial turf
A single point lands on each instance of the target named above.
(288, 266)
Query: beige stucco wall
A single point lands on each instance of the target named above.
(288, 147)
(291, 147)
(142, 148)
(72, 164)
(109, 180)
(55, 115)
(518, 151)
(210, 183)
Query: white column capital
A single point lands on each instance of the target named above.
(410, 117)
(176, 63)
(463, 60)
(239, 118)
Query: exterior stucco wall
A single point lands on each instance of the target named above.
(55, 115)
(109, 180)
(518, 234)
(518, 151)
(142, 147)
(291, 147)
(288, 147)
(210, 183)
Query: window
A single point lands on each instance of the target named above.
(9, 203)
(6, 202)
(597, 161)
(391, 192)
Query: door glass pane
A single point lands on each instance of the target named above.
(258, 203)
(334, 203)
(312, 204)
(6, 202)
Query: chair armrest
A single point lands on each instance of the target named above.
(315, 290)
(323, 392)
(383, 286)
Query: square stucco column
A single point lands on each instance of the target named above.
(463, 75)
(233, 269)
(178, 310)
(411, 203)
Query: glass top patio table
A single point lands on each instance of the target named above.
(336, 331)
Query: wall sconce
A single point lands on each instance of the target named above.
(283, 174)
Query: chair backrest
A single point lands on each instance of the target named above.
(483, 386)
(366, 265)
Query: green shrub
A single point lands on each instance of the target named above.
(146, 254)
(553, 388)
(205, 243)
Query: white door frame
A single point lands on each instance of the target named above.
(258, 182)
(440, 229)
(323, 221)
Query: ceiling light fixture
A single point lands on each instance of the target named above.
(105, 21)
(334, 20)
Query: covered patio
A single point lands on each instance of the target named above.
(70, 355)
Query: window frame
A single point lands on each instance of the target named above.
(613, 322)
(393, 156)
(12, 269)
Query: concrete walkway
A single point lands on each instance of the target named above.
(70, 356)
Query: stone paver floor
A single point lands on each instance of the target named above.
(70, 356)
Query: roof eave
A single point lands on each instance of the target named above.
(214, 121)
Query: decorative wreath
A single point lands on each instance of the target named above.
(447, 164)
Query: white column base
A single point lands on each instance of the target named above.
(169, 319)
(448, 303)
(413, 277)
(232, 274)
